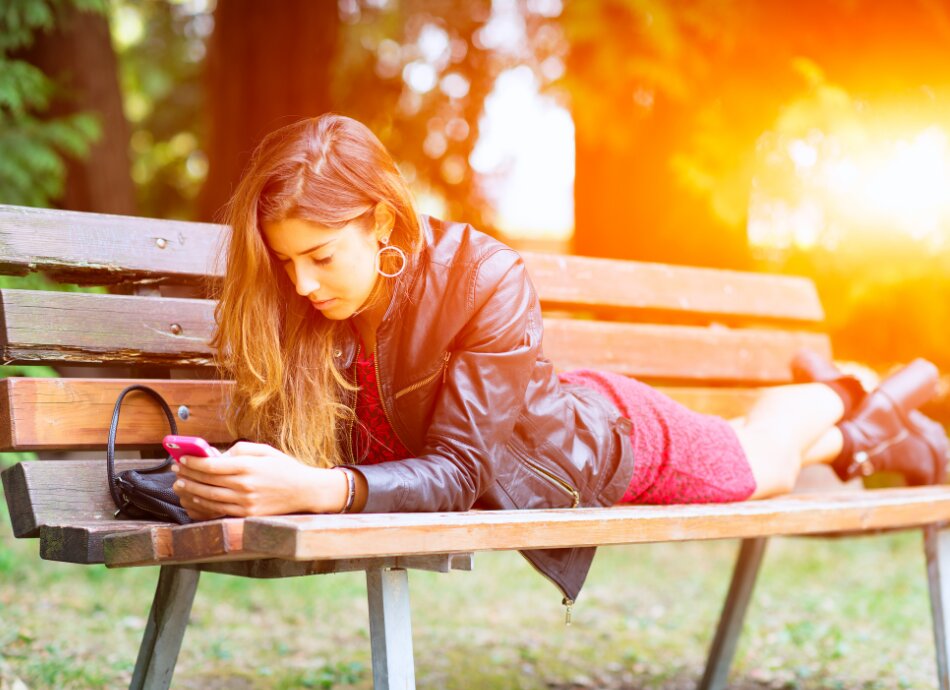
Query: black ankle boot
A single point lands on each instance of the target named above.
(884, 432)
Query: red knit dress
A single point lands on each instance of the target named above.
(680, 456)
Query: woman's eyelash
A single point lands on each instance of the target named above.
(324, 260)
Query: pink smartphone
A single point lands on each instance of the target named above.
(188, 445)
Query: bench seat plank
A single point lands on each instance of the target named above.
(269, 568)
(81, 542)
(219, 542)
(331, 537)
(355, 536)
(60, 492)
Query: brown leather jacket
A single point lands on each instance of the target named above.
(466, 387)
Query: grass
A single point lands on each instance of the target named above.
(849, 614)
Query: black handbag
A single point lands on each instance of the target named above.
(144, 494)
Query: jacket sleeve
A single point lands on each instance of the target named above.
(483, 394)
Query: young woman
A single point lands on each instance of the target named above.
(390, 361)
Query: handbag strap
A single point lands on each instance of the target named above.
(110, 446)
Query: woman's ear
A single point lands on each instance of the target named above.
(385, 219)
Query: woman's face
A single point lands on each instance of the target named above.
(334, 269)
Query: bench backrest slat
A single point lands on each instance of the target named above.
(74, 414)
(50, 327)
(90, 248)
(98, 248)
(583, 281)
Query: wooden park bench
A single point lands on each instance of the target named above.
(707, 337)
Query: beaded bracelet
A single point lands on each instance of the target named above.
(351, 489)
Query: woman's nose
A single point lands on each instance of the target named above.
(306, 284)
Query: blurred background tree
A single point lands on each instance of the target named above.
(43, 125)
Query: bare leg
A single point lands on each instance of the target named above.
(788, 427)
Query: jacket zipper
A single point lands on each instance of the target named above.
(555, 481)
(382, 400)
(349, 431)
(428, 379)
(567, 603)
(544, 474)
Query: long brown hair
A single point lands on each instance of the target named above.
(288, 385)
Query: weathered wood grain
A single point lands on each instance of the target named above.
(74, 414)
(270, 568)
(81, 542)
(577, 281)
(41, 326)
(67, 413)
(687, 353)
(357, 536)
(90, 248)
(98, 248)
(60, 492)
(54, 327)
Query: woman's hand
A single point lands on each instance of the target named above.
(255, 479)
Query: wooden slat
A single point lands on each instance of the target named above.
(91, 248)
(144, 547)
(96, 248)
(81, 542)
(61, 413)
(687, 353)
(270, 568)
(575, 280)
(357, 536)
(221, 541)
(60, 492)
(75, 327)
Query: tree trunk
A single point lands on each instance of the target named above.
(78, 54)
(268, 65)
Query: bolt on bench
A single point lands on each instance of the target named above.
(706, 337)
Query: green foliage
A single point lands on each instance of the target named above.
(32, 170)
(160, 48)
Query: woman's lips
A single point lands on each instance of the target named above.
(325, 303)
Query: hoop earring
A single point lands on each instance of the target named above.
(402, 255)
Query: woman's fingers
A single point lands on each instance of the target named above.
(219, 464)
(232, 481)
(213, 493)
(207, 506)
(248, 448)
(198, 515)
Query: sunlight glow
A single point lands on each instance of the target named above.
(525, 155)
(866, 189)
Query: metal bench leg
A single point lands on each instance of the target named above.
(165, 628)
(390, 629)
(937, 550)
(723, 648)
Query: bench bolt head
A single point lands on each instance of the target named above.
(176, 329)
(161, 242)
(183, 412)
